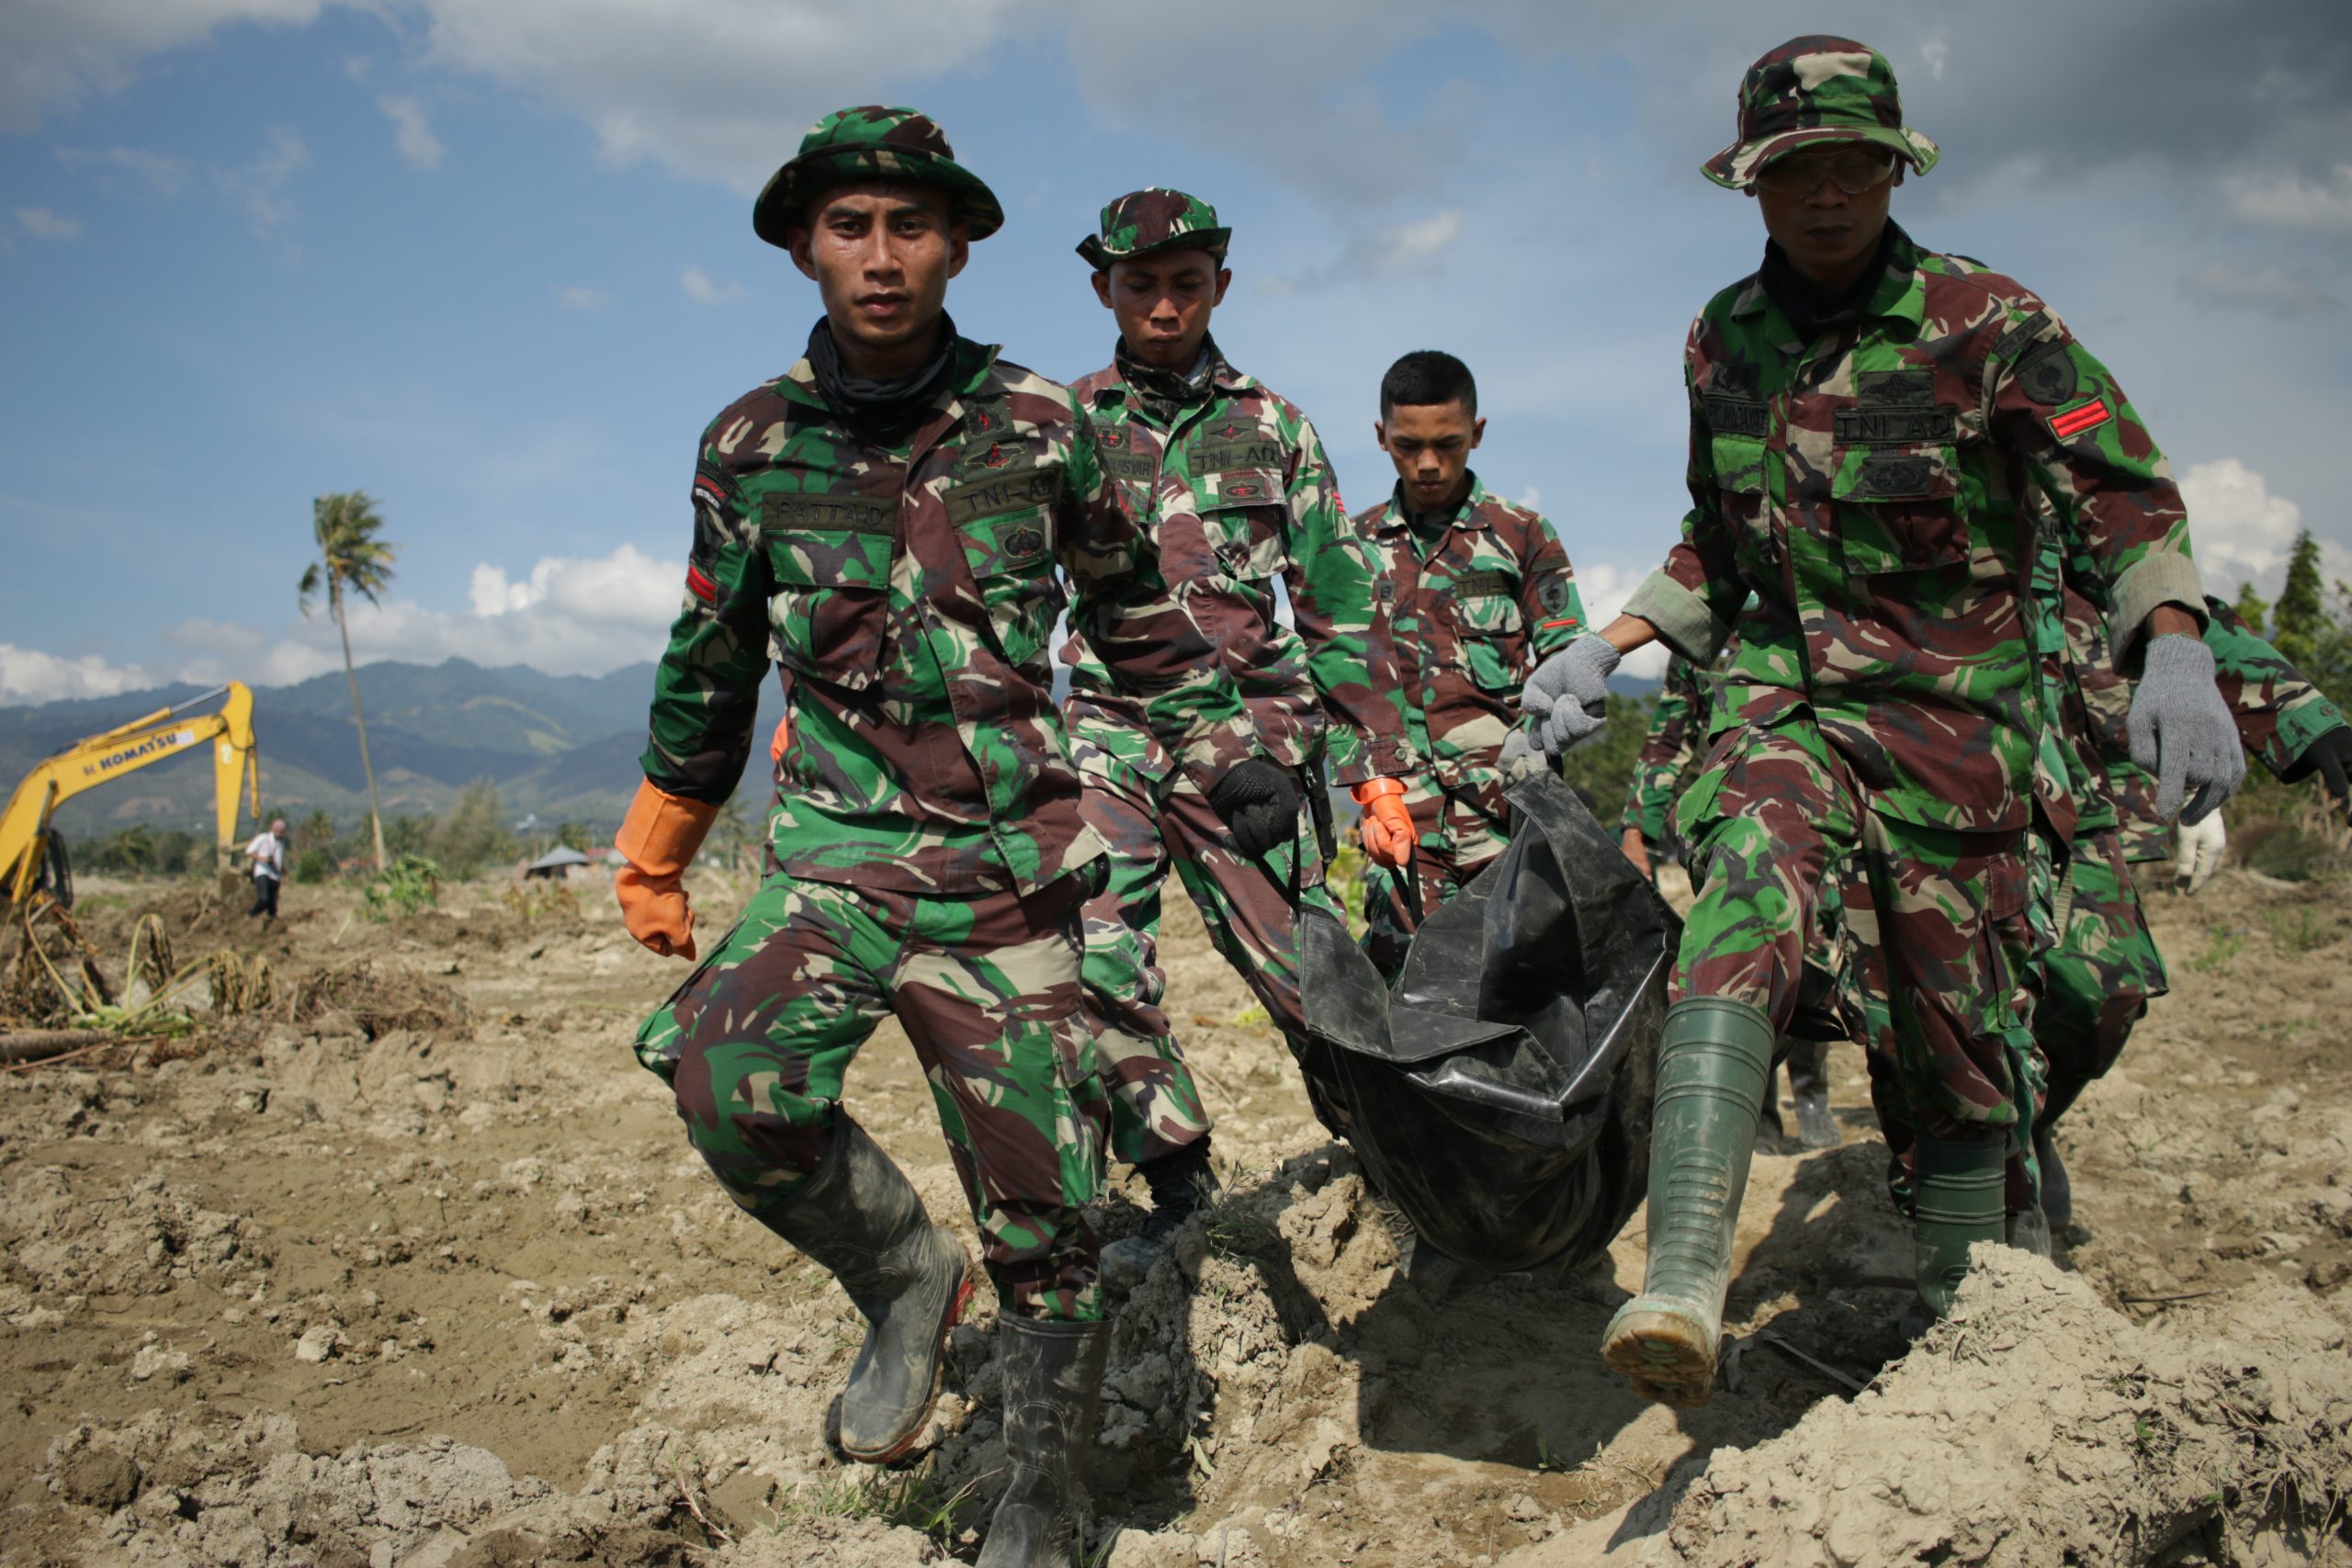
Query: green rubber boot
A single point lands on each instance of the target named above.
(1713, 1058)
(1957, 1201)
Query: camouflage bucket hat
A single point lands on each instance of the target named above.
(870, 142)
(1811, 90)
(1154, 219)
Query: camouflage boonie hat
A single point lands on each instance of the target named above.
(1817, 89)
(869, 141)
(1154, 219)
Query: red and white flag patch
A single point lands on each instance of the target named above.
(2070, 422)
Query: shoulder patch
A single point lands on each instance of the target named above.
(1553, 592)
(2081, 419)
(2047, 375)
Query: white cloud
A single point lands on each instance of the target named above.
(55, 54)
(152, 173)
(1415, 249)
(568, 616)
(721, 90)
(1531, 497)
(28, 675)
(2291, 201)
(2266, 290)
(260, 186)
(703, 291)
(584, 297)
(43, 224)
(412, 135)
(2240, 531)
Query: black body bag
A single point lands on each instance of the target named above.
(1500, 1095)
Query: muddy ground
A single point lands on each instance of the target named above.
(356, 1287)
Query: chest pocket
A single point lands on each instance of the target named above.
(1244, 521)
(829, 557)
(1895, 481)
(1485, 606)
(1005, 523)
(1742, 492)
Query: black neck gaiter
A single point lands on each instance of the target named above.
(884, 413)
(1162, 393)
(1809, 309)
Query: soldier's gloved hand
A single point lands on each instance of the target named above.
(2331, 754)
(658, 839)
(1388, 831)
(1519, 761)
(1258, 804)
(2181, 730)
(1569, 694)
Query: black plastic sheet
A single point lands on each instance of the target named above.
(1500, 1095)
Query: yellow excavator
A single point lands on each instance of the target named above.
(32, 857)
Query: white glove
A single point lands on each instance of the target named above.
(1569, 692)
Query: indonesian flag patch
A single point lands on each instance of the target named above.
(2070, 422)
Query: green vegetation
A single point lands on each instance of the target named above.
(908, 1498)
(412, 883)
(1603, 766)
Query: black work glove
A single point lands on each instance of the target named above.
(1258, 803)
(2331, 756)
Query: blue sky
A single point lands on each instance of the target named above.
(491, 260)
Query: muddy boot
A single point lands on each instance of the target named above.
(1772, 1132)
(2057, 1192)
(1053, 1372)
(2028, 1231)
(1816, 1129)
(1182, 1183)
(858, 1216)
(1809, 1082)
(1712, 1061)
(1956, 1201)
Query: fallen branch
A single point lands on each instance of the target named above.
(1824, 1367)
(38, 1045)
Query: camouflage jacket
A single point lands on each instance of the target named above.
(909, 595)
(1676, 738)
(2279, 712)
(1236, 494)
(1475, 603)
(1873, 487)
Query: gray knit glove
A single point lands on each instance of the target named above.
(1569, 694)
(2181, 730)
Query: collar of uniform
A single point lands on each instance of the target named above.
(1222, 375)
(1467, 513)
(1901, 295)
(973, 363)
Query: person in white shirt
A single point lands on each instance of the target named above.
(268, 853)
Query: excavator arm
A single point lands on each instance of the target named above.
(126, 749)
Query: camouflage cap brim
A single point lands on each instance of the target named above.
(1100, 256)
(1735, 167)
(791, 188)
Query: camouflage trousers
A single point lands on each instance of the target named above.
(1939, 942)
(1462, 830)
(757, 1042)
(2101, 974)
(1151, 824)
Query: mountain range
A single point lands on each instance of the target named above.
(564, 747)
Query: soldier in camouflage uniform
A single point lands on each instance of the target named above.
(1479, 591)
(1677, 740)
(2104, 969)
(1229, 481)
(890, 521)
(1870, 421)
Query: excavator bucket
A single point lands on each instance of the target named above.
(1500, 1094)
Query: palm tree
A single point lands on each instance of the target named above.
(352, 558)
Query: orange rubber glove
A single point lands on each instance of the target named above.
(1388, 832)
(783, 739)
(658, 836)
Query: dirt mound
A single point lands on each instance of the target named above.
(2036, 1426)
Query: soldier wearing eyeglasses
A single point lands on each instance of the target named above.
(1871, 424)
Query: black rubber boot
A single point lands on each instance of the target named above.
(1182, 1183)
(1052, 1376)
(859, 1217)
(1809, 1082)
(1712, 1061)
(1957, 1201)
(2057, 1191)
